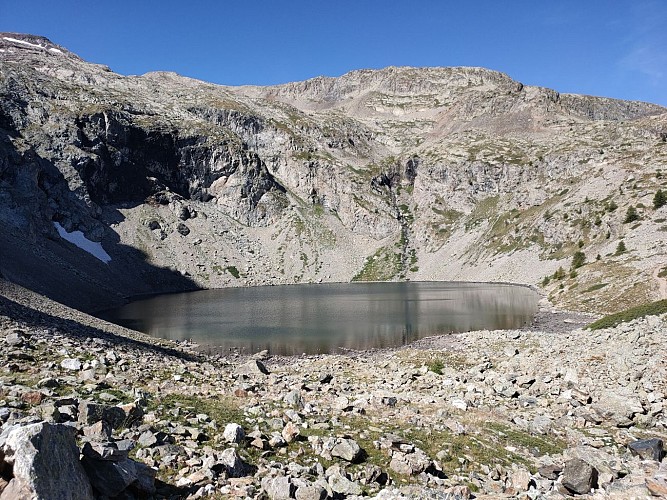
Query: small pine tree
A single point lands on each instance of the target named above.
(660, 199)
(631, 215)
(620, 248)
(578, 260)
(611, 206)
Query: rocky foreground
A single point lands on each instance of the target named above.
(89, 410)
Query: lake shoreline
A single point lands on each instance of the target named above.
(327, 317)
(498, 413)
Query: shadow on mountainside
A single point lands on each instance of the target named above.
(34, 193)
(31, 317)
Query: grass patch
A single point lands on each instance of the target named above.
(595, 287)
(233, 271)
(383, 265)
(436, 365)
(222, 410)
(612, 320)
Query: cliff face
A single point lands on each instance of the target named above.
(400, 173)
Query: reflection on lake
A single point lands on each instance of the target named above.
(295, 319)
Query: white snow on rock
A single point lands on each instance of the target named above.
(23, 42)
(77, 238)
(55, 51)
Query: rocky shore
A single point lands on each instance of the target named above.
(90, 410)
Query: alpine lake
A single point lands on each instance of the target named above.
(327, 318)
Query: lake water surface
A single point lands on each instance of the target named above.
(323, 318)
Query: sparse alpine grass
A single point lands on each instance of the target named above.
(612, 320)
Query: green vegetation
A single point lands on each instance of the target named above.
(233, 271)
(436, 365)
(620, 248)
(595, 287)
(483, 210)
(383, 265)
(652, 308)
(660, 199)
(631, 215)
(578, 260)
(611, 206)
(222, 410)
(538, 445)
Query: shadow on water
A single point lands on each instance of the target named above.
(35, 319)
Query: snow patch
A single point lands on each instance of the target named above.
(23, 42)
(55, 51)
(77, 238)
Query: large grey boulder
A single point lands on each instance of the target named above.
(252, 367)
(579, 477)
(111, 478)
(347, 449)
(233, 433)
(648, 449)
(45, 463)
(90, 413)
(234, 464)
(410, 464)
(278, 488)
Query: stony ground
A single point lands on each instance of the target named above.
(537, 413)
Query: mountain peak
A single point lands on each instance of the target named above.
(20, 43)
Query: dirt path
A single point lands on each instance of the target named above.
(662, 283)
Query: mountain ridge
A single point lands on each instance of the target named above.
(419, 173)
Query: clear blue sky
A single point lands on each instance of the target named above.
(614, 48)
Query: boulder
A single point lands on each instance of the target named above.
(233, 433)
(111, 478)
(234, 464)
(579, 477)
(347, 449)
(410, 464)
(252, 367)
(45, 463)
(648, 449)
(278, 488)
(90, 413)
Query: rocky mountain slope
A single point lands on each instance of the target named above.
(400, 173)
